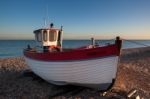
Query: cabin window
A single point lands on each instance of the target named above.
(45, 35)
(59, 38)
(52, 36)
(39, 37)
(59, 35)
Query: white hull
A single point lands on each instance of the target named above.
(90, 73)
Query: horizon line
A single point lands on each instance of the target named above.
(75, 39)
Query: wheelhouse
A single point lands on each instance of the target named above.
(49, 38)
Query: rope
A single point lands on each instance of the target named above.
(138, 43)
(131, 41)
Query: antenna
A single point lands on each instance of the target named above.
(46, 18)
(45, 24)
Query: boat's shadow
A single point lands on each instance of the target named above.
(69, 90)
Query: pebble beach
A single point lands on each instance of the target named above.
(133, 74)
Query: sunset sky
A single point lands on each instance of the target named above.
(81, 19)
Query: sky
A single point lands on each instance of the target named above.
(81, 19)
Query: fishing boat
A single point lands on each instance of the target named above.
(92, 66)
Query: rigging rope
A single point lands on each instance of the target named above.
(138, 43)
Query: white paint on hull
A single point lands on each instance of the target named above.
(98, 71)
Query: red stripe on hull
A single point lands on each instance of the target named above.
(71, 55)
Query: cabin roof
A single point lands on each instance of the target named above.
(37, 31)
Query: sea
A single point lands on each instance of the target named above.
(14, 48)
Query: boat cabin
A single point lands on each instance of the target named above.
(49, 38)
